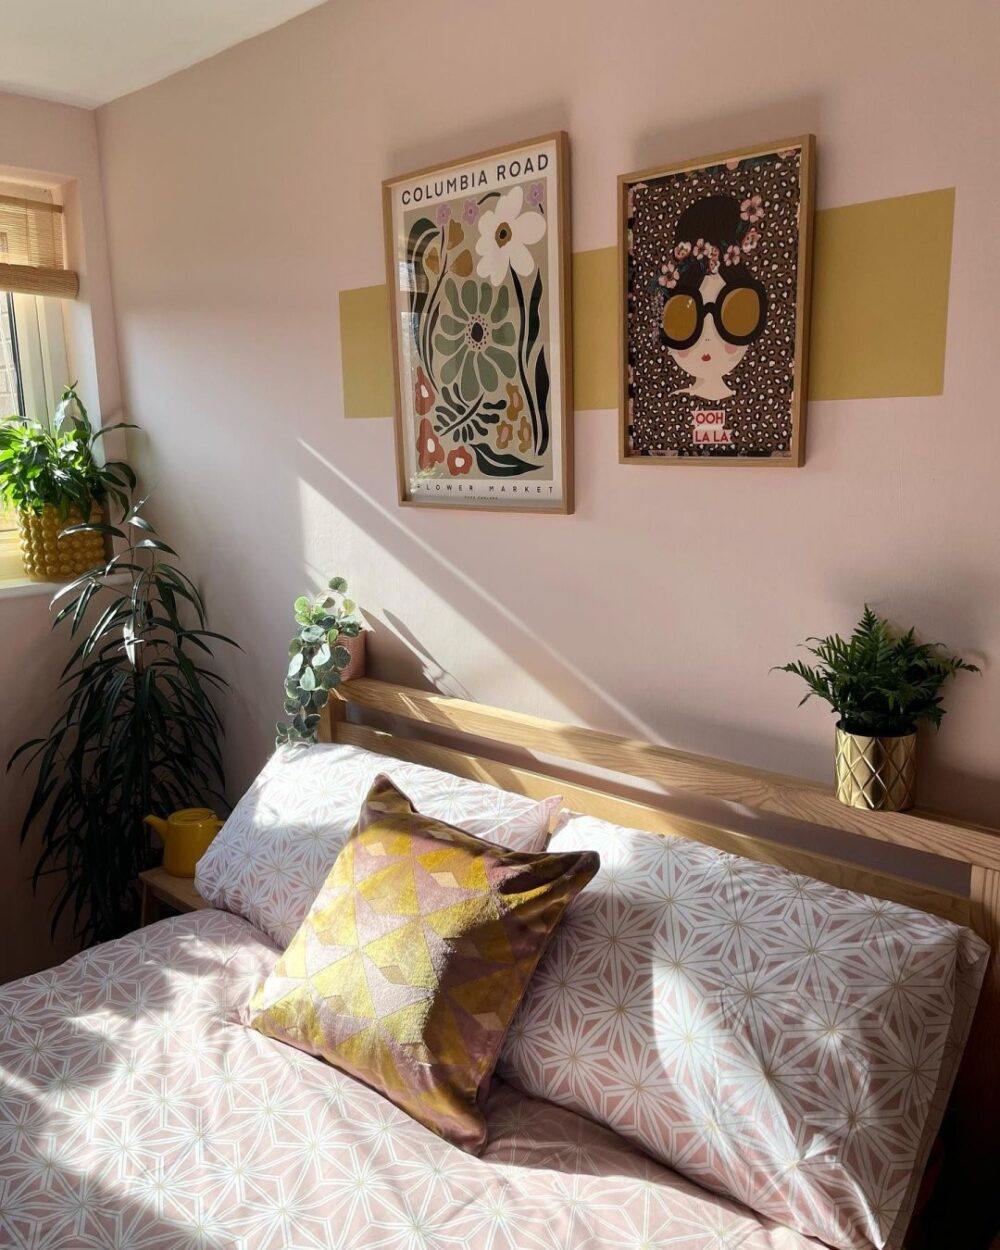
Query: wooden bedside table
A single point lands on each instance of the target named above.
(162, 893)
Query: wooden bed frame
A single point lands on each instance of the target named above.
(964, 1208)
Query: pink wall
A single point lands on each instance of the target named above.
(243, 194)
(58, 145)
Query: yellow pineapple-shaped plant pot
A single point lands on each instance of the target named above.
(50, 556)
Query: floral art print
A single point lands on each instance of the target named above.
(715, 259)
(477, 256)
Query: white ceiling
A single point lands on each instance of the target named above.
(90, 51)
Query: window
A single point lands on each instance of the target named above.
(11, 391)
(33, 366)
(33, 361)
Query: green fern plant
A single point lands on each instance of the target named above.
(878, 682)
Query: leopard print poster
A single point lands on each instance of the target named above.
(712, 309)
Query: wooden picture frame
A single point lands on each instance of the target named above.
(478, 274)
(667, 299)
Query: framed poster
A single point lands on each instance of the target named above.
(477, 258)
(714, 269)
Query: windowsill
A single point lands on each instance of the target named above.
(13, 582)
(11, 569)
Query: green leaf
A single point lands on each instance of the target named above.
(541, 400)
(94, 527)
(154, 544)
(296, 664)
(499, 464)
(307, 681)
(117, 425)
(533, 320)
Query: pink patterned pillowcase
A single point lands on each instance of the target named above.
(775, 1039)
(274, 852)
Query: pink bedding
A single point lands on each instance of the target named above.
(136, 1111)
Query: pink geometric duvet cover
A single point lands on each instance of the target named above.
(136, 1112)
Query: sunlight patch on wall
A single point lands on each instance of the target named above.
(325, 527)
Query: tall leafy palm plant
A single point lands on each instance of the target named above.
(139, 732)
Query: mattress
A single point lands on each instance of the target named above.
(137, 1110)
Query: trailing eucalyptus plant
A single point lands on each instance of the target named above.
(878, 682)
(139, 732)
(59, 467)
(317, 659)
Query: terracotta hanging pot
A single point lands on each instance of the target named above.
(357, 648)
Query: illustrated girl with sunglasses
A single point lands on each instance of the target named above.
(714, 307)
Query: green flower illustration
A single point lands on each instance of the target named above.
(476, 338)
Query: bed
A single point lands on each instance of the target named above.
(139, 1111)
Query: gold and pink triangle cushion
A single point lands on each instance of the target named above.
(414, 957)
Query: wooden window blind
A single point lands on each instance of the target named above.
(32, 259)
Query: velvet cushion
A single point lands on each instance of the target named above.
(414, 957)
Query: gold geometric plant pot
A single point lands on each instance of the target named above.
(876, 773)
(48, 556)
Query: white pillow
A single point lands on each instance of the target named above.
(775, 1039)
(273, 854)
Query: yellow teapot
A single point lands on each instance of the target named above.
(186, 836)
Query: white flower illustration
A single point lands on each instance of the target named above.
(505, 234)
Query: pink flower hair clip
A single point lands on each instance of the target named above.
(708, 257)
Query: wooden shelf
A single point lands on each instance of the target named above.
(176, 893)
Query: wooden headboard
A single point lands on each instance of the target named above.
(965, 1201)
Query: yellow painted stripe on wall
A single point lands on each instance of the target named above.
(879, 315)
(881, 272)
(595, 329)
(366, 352)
